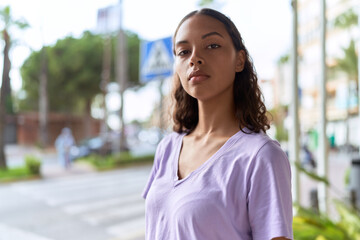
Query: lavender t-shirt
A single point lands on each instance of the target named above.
(242, 192)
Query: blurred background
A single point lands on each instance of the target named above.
(85, 94)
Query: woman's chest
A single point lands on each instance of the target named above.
(193, 155)
(207, 198)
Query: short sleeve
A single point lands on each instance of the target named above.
(269, 194)
(154, 169)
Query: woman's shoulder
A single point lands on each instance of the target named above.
(256, 142)
(170, 140)
(170, 137)
(252, 139)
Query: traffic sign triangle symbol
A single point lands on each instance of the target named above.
(159, 60)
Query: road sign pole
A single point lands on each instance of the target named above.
(161, 105)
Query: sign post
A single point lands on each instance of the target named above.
(156, 63)
(156, 60)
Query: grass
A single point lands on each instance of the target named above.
(31, 170)
(116, 161)
(14, 174)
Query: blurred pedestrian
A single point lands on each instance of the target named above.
(63, 145)
(219, 175)
(308, 160)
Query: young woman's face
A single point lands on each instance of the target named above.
(205, 58)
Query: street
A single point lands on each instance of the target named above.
(88, 206)
(83, 204)
(339, 163)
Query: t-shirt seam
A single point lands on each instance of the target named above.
(262, 146)
(257, 153)
(211, 158)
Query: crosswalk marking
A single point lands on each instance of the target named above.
(100, 204)
(128, 230)
(110, 201)
(119, 214)
(90, 189)
(11, 233)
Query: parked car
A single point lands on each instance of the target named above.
(97, 145)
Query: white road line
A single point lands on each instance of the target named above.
(107, 188)
(62, 185)
(79, 208)
(94, 193)
(128, 230)
(11, 233)
(118, 214)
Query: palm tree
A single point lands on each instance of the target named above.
(348, 63)
(5, 94)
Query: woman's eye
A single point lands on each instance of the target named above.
(211, 46)
(183, 52)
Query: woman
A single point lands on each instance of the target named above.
(218, 176)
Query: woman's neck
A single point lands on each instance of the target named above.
(217, 117)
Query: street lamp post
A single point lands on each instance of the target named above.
(121, 75)
(322, 168)
(294, 133)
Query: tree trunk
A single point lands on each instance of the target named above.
(121, 77)
(106, 71)
(43, 101)
(5, 94)
(87, 120)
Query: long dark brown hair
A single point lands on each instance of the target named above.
(250, 109)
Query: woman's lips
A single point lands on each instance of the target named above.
(198, 78)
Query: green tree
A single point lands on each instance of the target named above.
(5, 98)
(74, 73)
(204, 3)
(346, 20)
(348, 63)
(74, 70)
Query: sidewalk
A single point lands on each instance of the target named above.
(50, 167)
(338, 164)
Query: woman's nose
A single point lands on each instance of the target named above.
(196, 59)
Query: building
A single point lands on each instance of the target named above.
(341, 86)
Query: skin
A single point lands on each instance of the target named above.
(204, 48)
(206, 62)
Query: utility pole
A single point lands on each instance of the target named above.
(161, 105)
(322, 168)
(121, 75)
(4, 96)
(105, 78)
(294, 108)
(358, 66)
(43, 99)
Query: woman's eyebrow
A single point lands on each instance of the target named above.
(181, 42)
(210, 34)
(202, 37)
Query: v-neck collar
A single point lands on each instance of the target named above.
(207, 163)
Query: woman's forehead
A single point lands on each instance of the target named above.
(199, 25)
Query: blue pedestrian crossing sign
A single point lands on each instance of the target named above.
(156, 59)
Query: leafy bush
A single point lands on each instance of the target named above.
(309, 225)
(14, 174)
(126, 157)
(114, 161)
(33, 164)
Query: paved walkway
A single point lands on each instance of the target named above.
(339, 162)
(50, 167)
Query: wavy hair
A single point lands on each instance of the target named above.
(250, 109)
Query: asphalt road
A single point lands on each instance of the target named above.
(81, 204)
(73, 206)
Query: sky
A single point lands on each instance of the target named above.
(265, 27)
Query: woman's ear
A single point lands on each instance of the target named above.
(240, 61)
